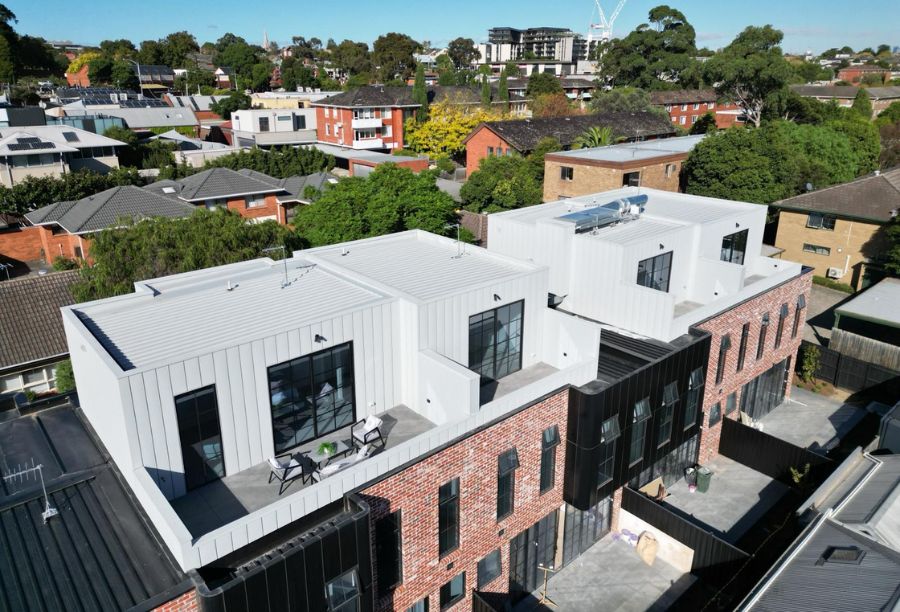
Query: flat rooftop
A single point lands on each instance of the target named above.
(635, 151)
(421, 265)
(877, 304)
(195, 312)
(376, 157)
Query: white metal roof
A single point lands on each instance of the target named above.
(633, 151)
(878, 303)
(77, 139)
(421, 265)
(187, 314)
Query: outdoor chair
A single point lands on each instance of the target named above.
(285, 468)
(367, 431)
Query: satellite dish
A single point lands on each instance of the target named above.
(809, 186)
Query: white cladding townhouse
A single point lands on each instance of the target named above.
(404, 302)
(714, 245)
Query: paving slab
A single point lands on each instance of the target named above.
(811, 421)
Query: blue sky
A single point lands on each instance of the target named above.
(807, 24)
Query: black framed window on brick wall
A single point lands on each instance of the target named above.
(801, 304)
(342, 593)
(507, 463)
(197, 413)
(715, 414)
(734, 246)
(639, 417)
(389, 552)
(782, 317)
(609, 433)
(453, 591)
(311, 396)
(820, 221)
(489, 568)
(549, 442)
(495, 341)
(419, 606)
(448, 517)
(655, 272)
(695, 392)
(731, 402)
(742, 349)
(763, 328)
(667, 414)
(724, 345)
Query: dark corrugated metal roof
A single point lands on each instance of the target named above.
(99, 552)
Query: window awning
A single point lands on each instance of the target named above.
(670, 393)
(641, 410)
(610, 429)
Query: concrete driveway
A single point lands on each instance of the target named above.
(820, 313)
(809, 420)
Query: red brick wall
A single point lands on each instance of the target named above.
(80, 78)
(61, 244)
(272, 207)
(477, 148)
(414, 491)
(22, 244)
(723, 121)
(731, 322)
(184, 603)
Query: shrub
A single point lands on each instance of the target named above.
(61, 263)
(810, 364)
(446, 165)
(832, 284)
(65, 378)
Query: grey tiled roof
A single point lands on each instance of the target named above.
(221, 182)
(105, 209)
(524, 134)
(30, 322)
(371, 95)
(294, 186)
(870, 198)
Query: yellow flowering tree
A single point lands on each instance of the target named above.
(448, 124)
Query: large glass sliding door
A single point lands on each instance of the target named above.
(201, 439)
(583, 528)
(495, 342)
(536, 546)
(311, 396)
(760, 395)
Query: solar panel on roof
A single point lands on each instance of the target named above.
(70, 136)
(27, 140)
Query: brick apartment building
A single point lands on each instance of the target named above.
(654, 163)
(855, 74)
(686, 106)
(515, 398)
(521, 136)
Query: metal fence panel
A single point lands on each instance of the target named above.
(765, 453)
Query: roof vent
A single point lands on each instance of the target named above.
(847, 555)
(623, 209)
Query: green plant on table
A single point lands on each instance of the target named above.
(327, 448)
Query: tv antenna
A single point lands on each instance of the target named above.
(604, 26)
(21, 474)
(285, 282)
(458, 241)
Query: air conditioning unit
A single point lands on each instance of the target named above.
(835, 273)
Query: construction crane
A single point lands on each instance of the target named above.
(604, 26)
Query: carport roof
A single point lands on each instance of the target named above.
(877, 304)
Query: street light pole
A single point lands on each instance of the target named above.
(140, 82)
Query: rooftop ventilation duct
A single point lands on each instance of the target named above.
(622, 209)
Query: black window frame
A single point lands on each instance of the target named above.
(419, 606)
(566, 173)
(208, 473)
(763, 328)
(816, 249)
(640, 414)
(389, 551)
(264, 124)
(486, 362)
(822, 221)
(351, 603)
(666, 414)
(657, 263)
(801, 304)
(293, 386)
(715, 414)
(724, 345)
(489, 568)
(779, 331)
(448, 517)
(446, 592)
(631, 179)
(731, 403)
(694, 395)
(549, 442)
(507, 463)
(609, 433)
(742, 350)
(734, 247)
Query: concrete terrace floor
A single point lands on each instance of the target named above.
(820, 313)
(811, 421)
(218, 503)
(610, 577)
(737, 498)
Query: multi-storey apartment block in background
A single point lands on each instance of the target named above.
(516, 391)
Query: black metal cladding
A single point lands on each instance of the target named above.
(591, 404)
(292, 577)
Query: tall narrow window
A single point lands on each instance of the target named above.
(655, 272)
(506, 482)
(448, 517)
(782, 317)
(639, 418)
(453, 591)
(715, 414)
(742, 350)
(731, 402)
(495, 342)
(311, 396)
(763, 327)
(666, 415)
(609, 433)
(695, 392)
(388, 552)
(724, 345)
(549, 442)
(489, 568)
(734, 246)
(342, 593)
(801, 304)
(201, 439)
(419, 606)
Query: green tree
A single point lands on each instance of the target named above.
(392, 53)
(65, 377)
(864, 140)
(623, 100)
(280, 162)
(152, 52)
(595, 137)
(750, 70)
(535, 159)
(118, 49)
(889, 115)
(162, 246)
(195, 80)
(862, 104)
(352, 58)
(542, 83)
(501, 183)
(122, 75)
(420, 94)
(485, 73)
(390, 199)
(100, 70)
(176, 48)
(462, 52)
(236, 100)
(7, 65)
(448, 124)
(259, 77)
(705, 124)
(890, 145)
(34, 192)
